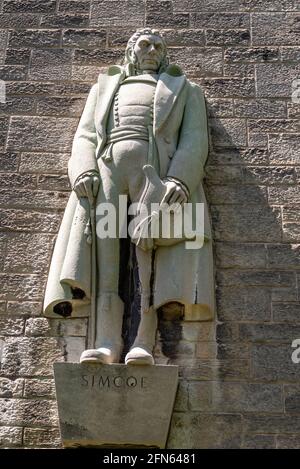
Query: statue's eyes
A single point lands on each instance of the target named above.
(158, 47)
(144, 44)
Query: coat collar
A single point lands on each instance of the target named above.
(169, 85)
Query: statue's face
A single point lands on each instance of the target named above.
(149, 50)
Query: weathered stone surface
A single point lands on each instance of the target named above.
(244, 304)
(13, 72)
(271, 175)
(240, 255)
(222, 21)
(19, 20)
(38, 134)
(202, 61)
(288, 441)
(17, 56)
(9, 161)
(213, 369)
(205, 5)
(89, 38)
(252, 55)
(198, 331)
(17, 105)
(253, 156)
(51, 64)
(272, 424)
(240, 70)
(11, 436)
(283, 255)
(30, 356)
(99, 57)
(28, 412)
(275, 28)
(229, 87)
(182, 397)
(286, 312)
(174, 37)
(249, 224)
(267, 5)
(292, 399)
(269, 332)
(11, 388)
(290, 224)
(37, 327)
(234, 397)
(65, 20)
(218, 107)
(54, 182)
(223, 174)
(27, 253)
(274, 125)
(41, 437)
(284, 149)
(39, 388)
(256, 278)
(28, 220)
(24, 308)
(243, 195)
(274, 363)
(276, 79)
(22, 287)
(284, 195)
(34, 38)
(37, 6)
(60, 106)
(54, 163)
(228, 132)
(200, 430)
(159, 13)
(216, 37)
(68, 327)
(261, 108)
(259, 442)
(118, 393)
(10, 326)
(117, 13)
(72, 348)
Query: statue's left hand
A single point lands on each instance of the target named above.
(174, 194)
(87, 186)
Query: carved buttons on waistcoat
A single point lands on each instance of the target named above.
(167, 139)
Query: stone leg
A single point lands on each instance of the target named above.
(109, 320)
(142, 348)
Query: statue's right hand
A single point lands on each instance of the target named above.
(87, 186)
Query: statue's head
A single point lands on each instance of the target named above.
(147, 50)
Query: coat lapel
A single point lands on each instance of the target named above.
(107, 87)
(166, 94)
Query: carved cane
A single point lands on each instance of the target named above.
(92, 319)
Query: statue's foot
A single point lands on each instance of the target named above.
(139, 356)
(100, 355)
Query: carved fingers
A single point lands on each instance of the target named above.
(87, 186)
(174, 194)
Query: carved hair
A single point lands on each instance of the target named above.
(130, 56)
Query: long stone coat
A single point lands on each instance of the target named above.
(180, 131)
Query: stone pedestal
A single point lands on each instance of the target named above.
(115, 405)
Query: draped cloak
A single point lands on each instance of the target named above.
(180, 132)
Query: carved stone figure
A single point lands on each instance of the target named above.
(143, 121)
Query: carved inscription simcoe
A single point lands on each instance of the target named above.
(110, 382)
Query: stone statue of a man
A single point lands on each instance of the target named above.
(143, 114)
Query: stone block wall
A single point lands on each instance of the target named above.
(238, 385)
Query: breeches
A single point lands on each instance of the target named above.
(121, 175)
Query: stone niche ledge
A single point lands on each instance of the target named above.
(115, 405)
